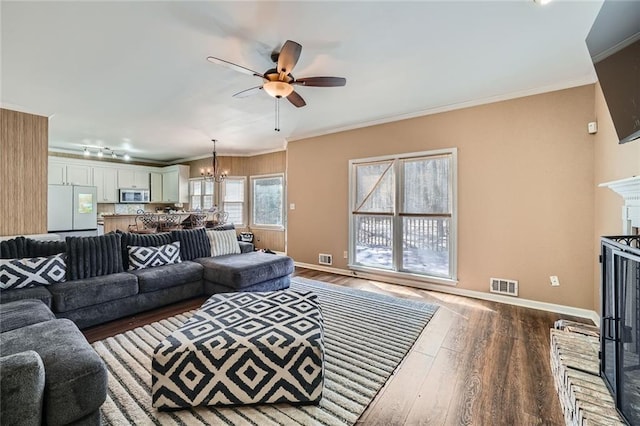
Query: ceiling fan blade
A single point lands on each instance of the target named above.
(296, 99)
(321, 81)
(288, 57)
(248, 92)
(233, 66)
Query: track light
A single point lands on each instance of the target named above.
(101, 151)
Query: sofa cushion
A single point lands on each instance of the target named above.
(37, 248)
(152, 279)
(92, 291)
(75, 376)
(142, 240)
(193, 243)
(243, 270)
(38, 293)
(93, 256)
(13, 248)
(32, 272)
(22, 389)
(22, 313)
(223, 242)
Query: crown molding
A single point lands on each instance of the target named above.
(589, 79)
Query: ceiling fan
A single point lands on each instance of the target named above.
(278, 82)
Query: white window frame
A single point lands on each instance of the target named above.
(202, 194)
(244, 201)
(453, 231)
(284, 201)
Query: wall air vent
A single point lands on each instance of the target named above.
(503, 286)
(325, 259)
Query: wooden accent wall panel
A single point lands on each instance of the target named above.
(275, 162)
(23, 173)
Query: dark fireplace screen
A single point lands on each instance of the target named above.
(620, 327)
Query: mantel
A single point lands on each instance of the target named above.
(629, 189)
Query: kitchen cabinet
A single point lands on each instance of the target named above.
(131, 178)
(156, 187)
(106, 180)
(60, 173)
(175, 184)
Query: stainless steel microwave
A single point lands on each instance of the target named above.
(134, 195)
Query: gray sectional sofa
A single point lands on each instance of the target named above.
(99, 287)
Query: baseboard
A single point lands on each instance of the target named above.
(526, 303)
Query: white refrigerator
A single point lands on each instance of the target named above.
(72, 208)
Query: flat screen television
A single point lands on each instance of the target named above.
(614, 45)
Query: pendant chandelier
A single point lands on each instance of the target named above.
(213, 174)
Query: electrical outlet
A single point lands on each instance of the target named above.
(555, 282)
(346, 254)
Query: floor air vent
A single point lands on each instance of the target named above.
(325, 259)
(502, 286)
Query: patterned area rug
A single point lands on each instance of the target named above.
(366, 337)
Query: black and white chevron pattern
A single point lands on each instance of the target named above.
(32, 272)
(148, 257)
(243, 348)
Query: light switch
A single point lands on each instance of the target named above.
(292, 206)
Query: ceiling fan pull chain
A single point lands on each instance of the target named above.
(277, 129)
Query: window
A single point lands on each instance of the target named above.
(201, 194)
(233, 201)
(402, 217)
(267, 194)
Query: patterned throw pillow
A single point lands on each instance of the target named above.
(223, 242)
(32, 272)
(148, 257)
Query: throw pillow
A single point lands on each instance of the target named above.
(32, 272)
(89, 257)
(148, 257)
(193, 243)
(13, 248)
(141, 240)
(223, 242)
(36, 248)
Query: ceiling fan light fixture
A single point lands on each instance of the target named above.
(278, 89)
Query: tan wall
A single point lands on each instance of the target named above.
(612, 162)
(525, 190)
(23, 173)
(250, 166)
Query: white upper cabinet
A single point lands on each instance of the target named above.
(61, 173)
(106, 180)
(57, 173)
(156, 187)
(130, 178)
(167, 184)
(175, 184)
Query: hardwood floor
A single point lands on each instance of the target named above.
(476, 363)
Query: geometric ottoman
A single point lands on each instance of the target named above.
(243, 348)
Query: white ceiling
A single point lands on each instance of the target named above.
(134, 75)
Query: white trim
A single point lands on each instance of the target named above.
(526, 303)
(589, 79)
(227, 154)
(616, 48)
(26, 110)
(264, 226)
(396, 160)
